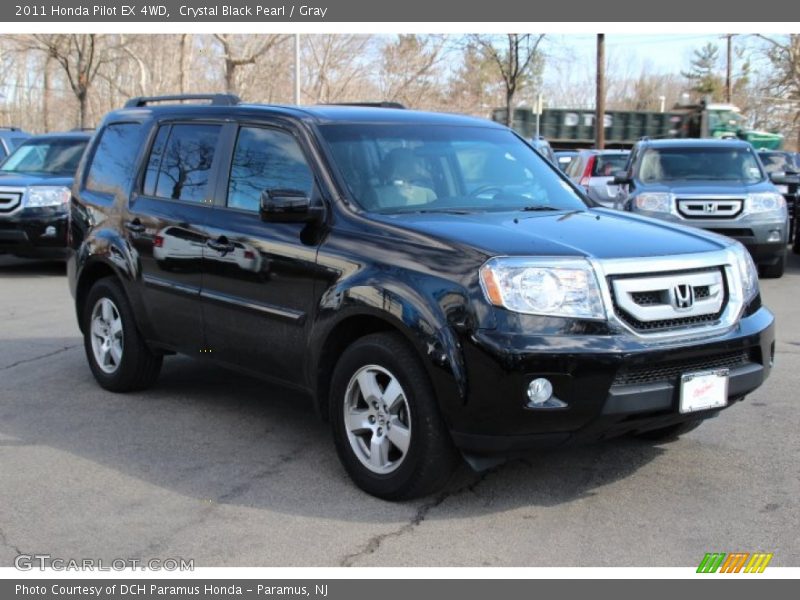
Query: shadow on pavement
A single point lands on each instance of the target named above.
(210, 434)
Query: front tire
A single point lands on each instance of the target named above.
(118, 356)
(387, 428)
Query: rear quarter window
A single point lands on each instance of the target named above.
(113, 164)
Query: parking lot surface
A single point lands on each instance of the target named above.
(230, 471)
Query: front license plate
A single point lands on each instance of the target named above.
(704, 390)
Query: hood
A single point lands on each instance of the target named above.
(18, 180)
(706, 188)
(595, 233)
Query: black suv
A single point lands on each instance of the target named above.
(718, 185)
(35, 186)
(433, 283)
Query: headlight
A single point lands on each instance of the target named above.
(553, 287)
(654, 202)
(38, 196)
(765, 202)
(747, 272)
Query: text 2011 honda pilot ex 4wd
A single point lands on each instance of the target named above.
(432, 282)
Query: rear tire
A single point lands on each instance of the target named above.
(118, 356)
(669, 433)
(387, 428)
(775, 271)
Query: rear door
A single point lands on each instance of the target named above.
(166, 223)
(259, 278)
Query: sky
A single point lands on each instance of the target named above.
(663, 52)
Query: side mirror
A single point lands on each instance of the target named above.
(288, 206)
(787, 178)
(622, 178)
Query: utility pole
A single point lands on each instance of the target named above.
(600, 100)
(729, 69)
(297, 69)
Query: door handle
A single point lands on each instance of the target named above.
(135, 226)
(221, 245)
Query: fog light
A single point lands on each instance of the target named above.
(540, 395)
(49, 231)
(539, 391)
(774, 236)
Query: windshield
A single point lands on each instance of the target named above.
(57, 156)
(409, 168)
(707, 164)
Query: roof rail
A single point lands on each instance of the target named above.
(383, 104)
(215, 99)
(10, 128)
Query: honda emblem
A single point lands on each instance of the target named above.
(683, 296)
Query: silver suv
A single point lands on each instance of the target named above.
(717, 185)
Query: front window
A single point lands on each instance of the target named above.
(707, 164)
(55, 156)
(412, 168)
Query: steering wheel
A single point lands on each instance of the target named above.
(485, 189)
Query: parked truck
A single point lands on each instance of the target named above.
(574, 128)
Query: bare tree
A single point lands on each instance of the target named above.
(783, 53)
(334, 67)
(80, 58)
(242, 50)
(410, 69)
(516, 57)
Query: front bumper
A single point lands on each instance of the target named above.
(612, 384)
(34, 233)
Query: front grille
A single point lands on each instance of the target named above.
(668, 324)
(710, 208)
(650, 308)
(670, 371)
(647, 298)
(702, 291)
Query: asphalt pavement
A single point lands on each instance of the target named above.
(228, 471)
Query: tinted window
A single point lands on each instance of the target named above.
(114, 158)
(184, 163)
(396, 168)
(265, 159)
(53, 156)
(154, 162)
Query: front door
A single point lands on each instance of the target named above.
(258, 282)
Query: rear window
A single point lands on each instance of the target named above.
(180, 162)
(605, 165)
(114, 159)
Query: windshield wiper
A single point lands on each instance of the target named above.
(540, 207)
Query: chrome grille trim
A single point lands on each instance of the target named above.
(723, 261)
(625, 289)
(10, 200)
(710, 207)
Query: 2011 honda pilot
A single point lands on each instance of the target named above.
(435, 286)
